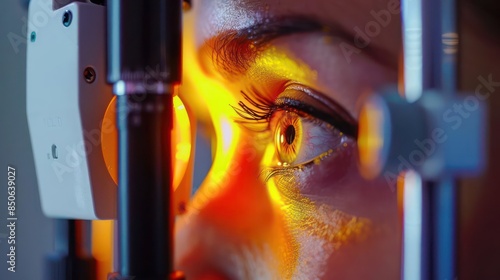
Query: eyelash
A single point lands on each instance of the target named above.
(257, 116)
(255, 119)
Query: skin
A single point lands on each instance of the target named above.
(329, 222)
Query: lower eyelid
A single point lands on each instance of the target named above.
(313, 177)
(288, 171)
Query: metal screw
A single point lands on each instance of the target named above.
(33, 36)
(89, 75)
(67, 18)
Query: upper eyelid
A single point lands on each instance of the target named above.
(257, 116)
(336, 115)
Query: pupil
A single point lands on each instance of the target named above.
(289, 134)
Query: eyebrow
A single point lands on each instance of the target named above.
(232, 52)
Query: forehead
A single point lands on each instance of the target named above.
(214, 16)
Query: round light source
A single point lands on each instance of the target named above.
(181, 141)
(373, 137)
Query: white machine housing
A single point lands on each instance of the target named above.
(65, 112)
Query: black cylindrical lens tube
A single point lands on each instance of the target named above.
(145, 214)
(144, 40)
(144, 66)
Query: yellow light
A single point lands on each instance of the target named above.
(210, 100)
(181, 136)
(274, 194)
(280, 62)
(227, 131)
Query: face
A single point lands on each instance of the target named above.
(284, 198)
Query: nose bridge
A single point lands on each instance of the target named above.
(232, 222)
(234, 197)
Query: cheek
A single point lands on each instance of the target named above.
(340, 220)
(337, 183)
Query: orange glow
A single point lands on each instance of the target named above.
(370, 140)
(102, 247)
(102, 231)
(181, 140)
(400, 183)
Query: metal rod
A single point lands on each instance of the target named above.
(445, 42)
(414, 266)
(430, 47)
(72, 259)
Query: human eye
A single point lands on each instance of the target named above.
(301, 126)
(301, 139)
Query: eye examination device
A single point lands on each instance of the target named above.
(112, 140)
(101, 90)
(67, 97)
